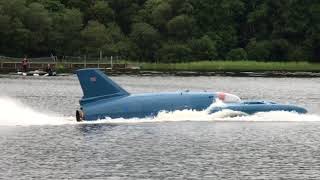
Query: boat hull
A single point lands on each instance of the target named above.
(252, 107)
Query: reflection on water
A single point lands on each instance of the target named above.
(263, 146)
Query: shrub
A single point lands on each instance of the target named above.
(174, 53)
(237, 54)
(258, 50)
(203, 49)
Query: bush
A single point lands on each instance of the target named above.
(146, 39)
(174, 53)
(298, 54)
(203, 49)
(60, 68)
(258, 50)
(180, 26)
(280, 48)
(237, 54)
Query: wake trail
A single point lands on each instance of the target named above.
(14, 113)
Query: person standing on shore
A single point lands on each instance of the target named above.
(25, 64)
(49, 70)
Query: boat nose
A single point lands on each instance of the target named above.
(303, 110)
(299, 109)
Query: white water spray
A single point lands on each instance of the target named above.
(224, 115)
(14, 113)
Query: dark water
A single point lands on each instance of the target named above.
(267, 146)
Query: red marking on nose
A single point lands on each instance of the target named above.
(221, 96)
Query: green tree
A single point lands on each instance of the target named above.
(126, 49)
(237, 54)
(52, 5)
(102, 12)
(180, 27)
(225, 40)
(259, 50)
(268, 30)
(38, 21)
(114, 41)
(13, 33)
(298, 53)
(172, 53)
(203, 48)
(313, 33)
(14, 8)
(181, 7)
(279, 49)
(146, 39)
(94, 36)
(161, 14)
(65, 37)
(125, 11)
(77, 4)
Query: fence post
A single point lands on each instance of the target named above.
(55, 61)
(85, 61)
(111, 62)
(100, 58)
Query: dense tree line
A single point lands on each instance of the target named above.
(163, 30)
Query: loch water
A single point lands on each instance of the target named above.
(39, 138)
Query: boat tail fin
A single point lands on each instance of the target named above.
(96, 85)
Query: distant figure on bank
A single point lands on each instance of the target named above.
(25, 64)
(49, 70)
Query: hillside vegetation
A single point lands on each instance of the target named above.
(166, 31)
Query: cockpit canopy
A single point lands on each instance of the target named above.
(228, 98)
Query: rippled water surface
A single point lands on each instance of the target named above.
(40, 139)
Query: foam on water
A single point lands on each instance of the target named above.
(225, 115)
(14, 113)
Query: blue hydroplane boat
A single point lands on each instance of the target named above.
(104, 98)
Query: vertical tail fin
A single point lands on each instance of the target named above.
(95, 84)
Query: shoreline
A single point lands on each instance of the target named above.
(199, 68)
(264, 74)
(235, 69)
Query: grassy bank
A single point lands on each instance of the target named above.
(234, 66)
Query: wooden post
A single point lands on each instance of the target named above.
(100, 59)
(111, 62)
